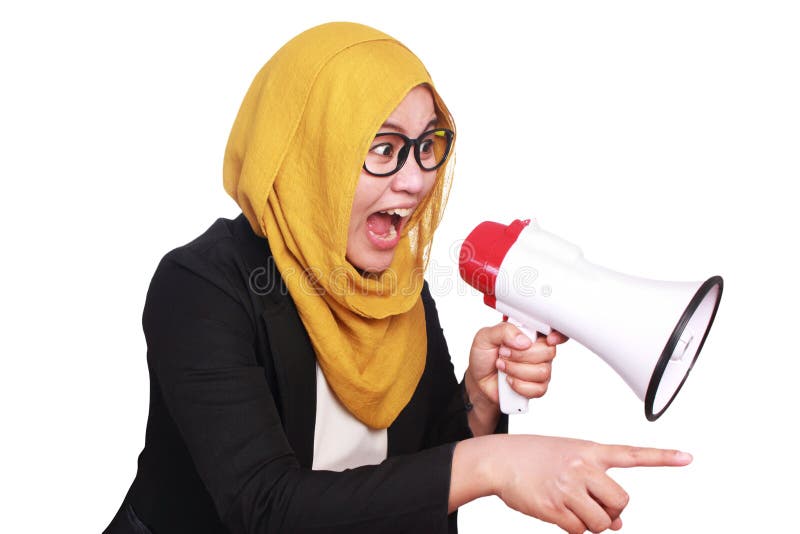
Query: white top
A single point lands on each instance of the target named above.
(340, 440)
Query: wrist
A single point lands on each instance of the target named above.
(472, 474)
(483, 414)
(475, 395)
(487, 466)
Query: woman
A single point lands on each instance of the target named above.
(300, 381)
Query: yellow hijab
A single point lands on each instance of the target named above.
(292, 163)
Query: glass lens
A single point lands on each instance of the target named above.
(433, 148)
(388, 151)
(382, 155)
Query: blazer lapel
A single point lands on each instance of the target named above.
(291, 350)
(295, 369)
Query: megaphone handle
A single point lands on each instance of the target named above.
(512, 402)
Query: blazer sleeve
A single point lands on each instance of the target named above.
(450, 423)
(200, 340)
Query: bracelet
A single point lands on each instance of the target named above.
(465, 396)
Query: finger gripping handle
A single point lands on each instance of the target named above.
(512, 402)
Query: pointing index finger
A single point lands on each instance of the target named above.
(626, 456)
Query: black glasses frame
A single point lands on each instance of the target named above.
(408, 142)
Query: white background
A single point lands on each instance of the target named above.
(660, 137)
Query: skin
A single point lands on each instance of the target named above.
(559, 480)
(406, 188)
(528, 364)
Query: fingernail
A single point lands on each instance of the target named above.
(501, 365)
(509, 379)
(505, 352)
(683, 456)
(520, 339)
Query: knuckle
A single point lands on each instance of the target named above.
(535, 394)
(564, 483)
(544, 372)
(574, 526)
(599, 523)
(533, 389)
(623, 500)
(594, 448)
(577, 463)
(483, 333)
(549, 507)
(529, 390)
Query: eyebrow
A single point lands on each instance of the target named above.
(393, 126)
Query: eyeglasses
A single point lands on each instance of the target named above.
(390, 150)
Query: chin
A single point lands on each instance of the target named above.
(373, 263)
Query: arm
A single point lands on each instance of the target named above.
(527, 363)
(200, 347)
(471, 476)
(485, 413)
(558, 480)
(455, 421)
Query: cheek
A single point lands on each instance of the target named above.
(360, 201)
(365, 196)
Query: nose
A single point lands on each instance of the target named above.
(411, 178)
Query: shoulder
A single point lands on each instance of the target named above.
(216, 267)
(225, 255)
(226, 243)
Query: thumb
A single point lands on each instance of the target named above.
(503, 333)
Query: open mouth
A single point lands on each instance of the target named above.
(386, 225)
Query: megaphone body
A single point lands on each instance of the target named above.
(649, 331)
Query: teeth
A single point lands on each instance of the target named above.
(402, 212)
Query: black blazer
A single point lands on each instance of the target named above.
(230, 432)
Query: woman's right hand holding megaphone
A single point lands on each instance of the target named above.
(558, 480)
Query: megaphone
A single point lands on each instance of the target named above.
(649, 331)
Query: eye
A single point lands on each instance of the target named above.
(426, 147)
(383, 149)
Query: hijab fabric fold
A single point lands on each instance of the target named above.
(292, 163)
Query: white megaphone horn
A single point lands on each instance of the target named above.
(649, 331)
